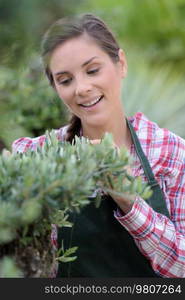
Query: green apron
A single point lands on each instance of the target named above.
(106, 249)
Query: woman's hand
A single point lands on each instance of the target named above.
(95, 142)
(6, 153)
(126, 201)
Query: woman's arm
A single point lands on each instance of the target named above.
(160, 239)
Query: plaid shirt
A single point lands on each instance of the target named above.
(160, 239)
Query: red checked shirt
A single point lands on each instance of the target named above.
(160, 239)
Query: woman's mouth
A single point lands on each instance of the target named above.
(92, 103)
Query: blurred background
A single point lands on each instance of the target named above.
(151, 32)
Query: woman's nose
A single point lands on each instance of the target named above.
(82, 87)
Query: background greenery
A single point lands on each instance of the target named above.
(152, 33)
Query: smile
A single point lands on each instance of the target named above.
(92, 103)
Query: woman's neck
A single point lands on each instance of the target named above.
(118, 128)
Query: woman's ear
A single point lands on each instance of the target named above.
(123, 63)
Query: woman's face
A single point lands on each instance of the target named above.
(87, 80)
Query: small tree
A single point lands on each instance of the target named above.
(39, 188)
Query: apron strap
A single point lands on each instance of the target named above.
(157, 200)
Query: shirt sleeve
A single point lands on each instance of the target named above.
(160, 239)
(23, 144)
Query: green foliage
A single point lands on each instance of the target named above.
(28, 104)
(38, 188)
(8, 269)
(158, 92)
(61, 218)
(66, 254)
(153, 28)
(24, 22)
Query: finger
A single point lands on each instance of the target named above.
(6, 153)
(129, 170)
(95, 142)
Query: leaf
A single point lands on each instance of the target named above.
(66, 259)
(70, 251)
(66, 255)
(9, 269)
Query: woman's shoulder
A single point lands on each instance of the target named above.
(157, 140)
(150, 130)
(24, 143)
(142, 124)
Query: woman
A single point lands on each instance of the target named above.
(125, 237)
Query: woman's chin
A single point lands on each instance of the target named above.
(97, 121)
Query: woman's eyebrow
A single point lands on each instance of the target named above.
(88, 61)
(83, 65)
(61, 73)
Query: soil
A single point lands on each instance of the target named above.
(35, 259)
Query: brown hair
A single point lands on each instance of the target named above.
(71, 27)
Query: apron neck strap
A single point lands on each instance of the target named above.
(144, 161)
(157, 200)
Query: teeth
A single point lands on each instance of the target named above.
(92, 102)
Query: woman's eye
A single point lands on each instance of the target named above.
(93, 71)
(65, 81)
